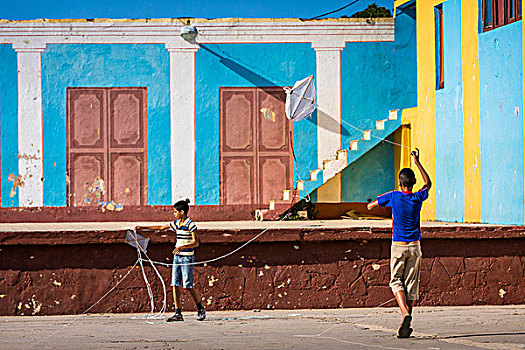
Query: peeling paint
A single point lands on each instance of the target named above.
(376, 267)
(56, 283)
(17, 182)
(502, 293)
(212, 280)
(28, 156)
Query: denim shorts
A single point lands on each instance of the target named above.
(181, 271)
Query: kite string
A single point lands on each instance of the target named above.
(151, 314)
(227, 254)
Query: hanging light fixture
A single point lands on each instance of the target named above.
(188, 32)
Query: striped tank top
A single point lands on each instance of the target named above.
(184, 231)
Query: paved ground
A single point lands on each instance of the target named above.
(435, 328)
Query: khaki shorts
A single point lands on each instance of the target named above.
(405, 266)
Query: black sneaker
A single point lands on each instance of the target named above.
(405, 330)
(201, 314)
(176, 317)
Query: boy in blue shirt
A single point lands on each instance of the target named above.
(183, 258)
(405, 260)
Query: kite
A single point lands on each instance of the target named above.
(300, 99)
(137, 241)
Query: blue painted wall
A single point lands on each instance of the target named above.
(8, 123)
(449, 181)
(246, 65)
(501, 113)
(377, 77)
(370, 175)
(106, 66)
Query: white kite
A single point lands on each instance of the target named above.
(300, 99)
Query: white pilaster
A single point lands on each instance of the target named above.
(182, 98)
(30, 146)
(328, 74)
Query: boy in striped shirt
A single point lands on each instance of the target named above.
(183, 258)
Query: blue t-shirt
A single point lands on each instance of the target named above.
(406, 207)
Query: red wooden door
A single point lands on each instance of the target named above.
(107, 142)
(255, 154)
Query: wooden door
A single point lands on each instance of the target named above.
(107, 146)
(255, 153)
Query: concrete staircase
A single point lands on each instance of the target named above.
(330, 167)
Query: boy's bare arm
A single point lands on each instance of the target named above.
(426, 178)
(372, 205)
(152, 228)
(193, 244)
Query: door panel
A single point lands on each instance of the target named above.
(84, 171)
(126, 179)
(127, 118)
(274, 177)
(238, 180)
(238, 121)
(87, 122)
(275, 128)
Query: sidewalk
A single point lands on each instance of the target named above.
(482, 327)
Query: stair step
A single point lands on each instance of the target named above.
(392, 115)
(300, 185)
(342, 154)
(366, 135)
(289, 194)
(380, 124)
(353, 145)
(313, 174)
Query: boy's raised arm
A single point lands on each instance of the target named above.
(426, 178)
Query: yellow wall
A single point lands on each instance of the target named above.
(423, 126)
(402, 135)
(471, 117)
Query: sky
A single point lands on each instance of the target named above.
(32, 9)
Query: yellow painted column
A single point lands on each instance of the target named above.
(471, 113)
(330, 191)
(423, 126)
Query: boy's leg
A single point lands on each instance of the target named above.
(176, 297)
(410, 306)
(175, 283)
(403, 303)
(194, 295)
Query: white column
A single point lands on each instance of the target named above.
(182, 98)
(328, 74)
(30, 146)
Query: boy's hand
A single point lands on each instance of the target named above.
(176, 251)
(415, 155)
(137, 228)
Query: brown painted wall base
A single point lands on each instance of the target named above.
(49, 273)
